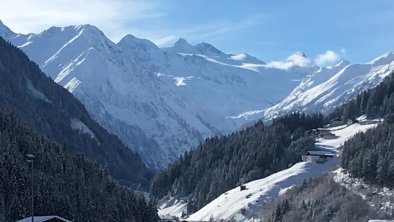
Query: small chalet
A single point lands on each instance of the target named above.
(317, 156)
(312, 132)
(169, 219)
(337, 122)
(52, 218)
(326, 133)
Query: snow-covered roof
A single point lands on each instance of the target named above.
(318, 153)
(43, 219)
(324, 129)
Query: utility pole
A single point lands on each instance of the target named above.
(30, 158)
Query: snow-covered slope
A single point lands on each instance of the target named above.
(329, 87)
(245, 205)
(159, 101)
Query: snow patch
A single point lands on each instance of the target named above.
(36, 93)
(24, 44)
(172, 208)
(239, 57)
(179, 80)
(72, 84)
(79, 126)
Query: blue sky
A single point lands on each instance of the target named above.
(357, 30)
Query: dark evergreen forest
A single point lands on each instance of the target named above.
(66, 184)
(49, 109)
(370, 155)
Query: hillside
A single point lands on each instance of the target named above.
(246, 205)
(66, 184)
(222, 163)
(54, 112)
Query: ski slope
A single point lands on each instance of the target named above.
(245, 205)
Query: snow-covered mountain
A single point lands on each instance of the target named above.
(163, 101)
(328, 87)
(159, 101)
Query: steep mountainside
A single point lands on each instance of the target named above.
(53, 111)
(160, 102)
(66, 184)
(329, 87)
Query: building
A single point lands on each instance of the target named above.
(326, 133)
(51, 218)
(169, 219)
(312, 132)
(337, 122)
(317, 156)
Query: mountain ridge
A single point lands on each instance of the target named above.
(151, 97)
(162, 102)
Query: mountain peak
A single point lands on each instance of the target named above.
(130, 41)
(181, 42)
(300, 59)
(386, 58)
(207, 48)
(182, 46)
(301, 54)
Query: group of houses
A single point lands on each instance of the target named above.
(320, 156)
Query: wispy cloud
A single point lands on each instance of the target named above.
(203, 31)
(113, 16)
(145, 19)
(299, 59)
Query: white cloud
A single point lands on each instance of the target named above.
(116, 18)
(112, 16)
(328, 58)
(297, 59)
